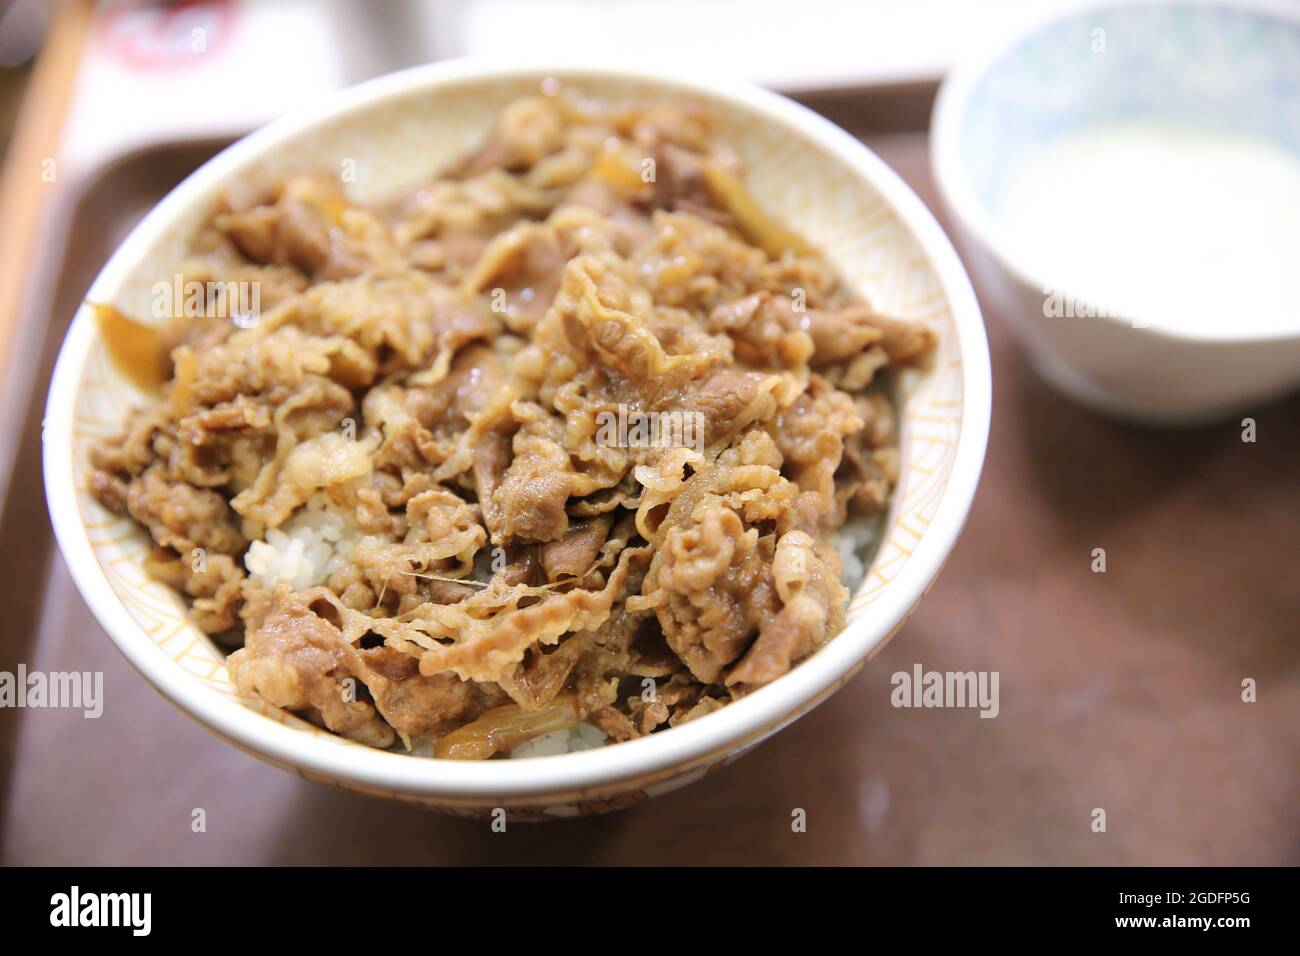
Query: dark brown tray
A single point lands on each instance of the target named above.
(1118, 690)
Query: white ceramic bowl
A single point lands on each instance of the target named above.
(398, 130)
(1228, 64)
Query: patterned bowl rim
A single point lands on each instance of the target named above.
(959, 195)
(658, 755)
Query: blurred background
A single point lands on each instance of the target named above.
(1119, 690)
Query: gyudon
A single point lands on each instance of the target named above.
(425, 491)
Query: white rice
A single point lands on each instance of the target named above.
(579, 737)
(314, 543)
(856, 542)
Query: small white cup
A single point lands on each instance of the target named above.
(1232, 65)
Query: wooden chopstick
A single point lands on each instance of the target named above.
(24, 194)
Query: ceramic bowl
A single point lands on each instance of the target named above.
(398, 130)
(1230, 66)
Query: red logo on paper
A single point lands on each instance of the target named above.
(168, 36)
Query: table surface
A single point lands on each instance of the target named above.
(1119, 691)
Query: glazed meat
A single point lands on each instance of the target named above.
(564, 436)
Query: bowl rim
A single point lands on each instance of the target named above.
(950, 108)
(690, 745)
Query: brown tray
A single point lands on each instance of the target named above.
(1118, 690)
